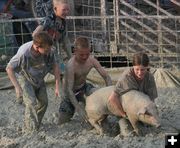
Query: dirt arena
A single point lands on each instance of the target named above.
(76, 134)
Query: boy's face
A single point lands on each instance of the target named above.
(61, 10)
(42, 50)
(140, 71)
(81, 55)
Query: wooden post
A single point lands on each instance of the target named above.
(104, 23)
(72, 10)
(103, 16)
(116, 23)
(159, 32)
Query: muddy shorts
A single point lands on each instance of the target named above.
(67, 107)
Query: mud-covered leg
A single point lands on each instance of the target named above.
(66, 112)
(31, 121)
(96, 126)
(42, 103)
(125, 127)
(29, 97)
(134, 124)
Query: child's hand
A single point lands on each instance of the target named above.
(57, 94)
(19, 94)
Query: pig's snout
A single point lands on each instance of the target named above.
(149, 120)
(155, 122)
(157, 125)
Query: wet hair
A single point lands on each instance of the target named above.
(81, 42)
(140, 59)
(42, 39)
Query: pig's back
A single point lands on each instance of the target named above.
(98, 100)
(134, 100)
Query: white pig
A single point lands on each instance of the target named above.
(136, 104)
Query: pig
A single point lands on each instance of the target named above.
(136, 104)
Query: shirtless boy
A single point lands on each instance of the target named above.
(75, 85)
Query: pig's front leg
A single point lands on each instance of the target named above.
(134, 122)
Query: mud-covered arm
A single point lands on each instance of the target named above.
(115, 106)
(69, 80)
(56, 71)
(67, 46)
(125, 83)
(15, 66)
(102, 72)
(44, 25)
(12, 77)
(69, 72)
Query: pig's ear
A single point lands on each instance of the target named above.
(142, 111)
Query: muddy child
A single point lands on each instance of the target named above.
(75, 84)
(32, 62)
(136, 77)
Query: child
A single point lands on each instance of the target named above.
(75, 85)
(32, 62)
(137, 77)
(55, 25)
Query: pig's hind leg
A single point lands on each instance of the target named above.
(96, 123)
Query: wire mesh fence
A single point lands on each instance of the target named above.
(112, 42)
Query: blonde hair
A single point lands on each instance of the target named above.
(56, 2)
